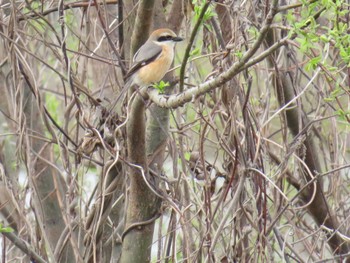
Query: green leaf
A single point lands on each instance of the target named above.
(5, 229)
(52, 104)
(334, 94)
(324, 38)
(342, 114)
(290, 17)
(238, 54)
(161, 86)
(305, 44)
(313, 63)
(198, 6)
(187, 156)
(195, 52)
(328, 99)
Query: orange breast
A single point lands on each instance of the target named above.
(155, 71)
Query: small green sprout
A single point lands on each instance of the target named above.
(5, 229)
(161, 86)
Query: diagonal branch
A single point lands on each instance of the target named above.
(177, 100)
(180, 99)
(24, 246)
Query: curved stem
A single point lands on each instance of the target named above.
(190, 43)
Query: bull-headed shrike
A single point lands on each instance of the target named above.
(153, 59)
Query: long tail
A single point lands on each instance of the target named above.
(121, 94)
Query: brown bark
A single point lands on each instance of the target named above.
(137, 237)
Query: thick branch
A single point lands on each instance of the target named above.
(178, 100)
(140, 209)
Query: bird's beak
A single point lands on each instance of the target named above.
(177, 39)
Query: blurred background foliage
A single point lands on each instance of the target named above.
(254, 170)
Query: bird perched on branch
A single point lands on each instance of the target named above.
(153, 59)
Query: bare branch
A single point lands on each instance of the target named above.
(177, 100)
(66, 6)
(24, 246)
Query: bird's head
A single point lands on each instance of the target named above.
(164, 36)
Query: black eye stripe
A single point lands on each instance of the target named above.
(165, 38)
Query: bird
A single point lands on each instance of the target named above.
(152, 60)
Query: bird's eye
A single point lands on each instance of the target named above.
(165, 38)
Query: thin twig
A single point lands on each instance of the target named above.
(24, 246)
(190, 43)
(66, 6)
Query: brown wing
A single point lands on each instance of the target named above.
(147, 53)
